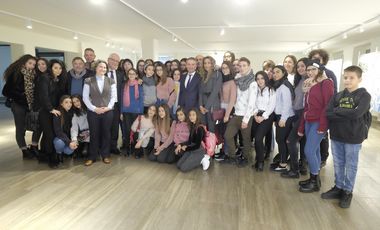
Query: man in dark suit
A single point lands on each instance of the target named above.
(113, 62)
(189, 86)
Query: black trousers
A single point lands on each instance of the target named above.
(46, 125)
(293, 140)
(19, 113)
(167, 155)
(100, 134)
(324, 147)
(115, 126)
(282, 134)
(128, 119)
(259, 131)
(268, 140)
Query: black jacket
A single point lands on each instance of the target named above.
(50, 91)
(195, 138)
(63, 131)
(346, 114)
(14, 89)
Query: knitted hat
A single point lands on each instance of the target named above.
(316, 64)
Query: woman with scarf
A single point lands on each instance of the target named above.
(243, 115)
(228, 99)
(20, 92)
(149, 87)
(210, 87)
(318, 91)
(132, 104)
(284, 114)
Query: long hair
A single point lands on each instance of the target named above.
(164, 76)
(83, 107)
(61, 109)
(230, 67)
(194, 127)
(62, 78)
(298, 77)
(38, 72)
(154, 118)
(294, 59)
(141, 73)
(207, 74)
(16, 66)
(181, 109)
(163, 124)
(266, 79)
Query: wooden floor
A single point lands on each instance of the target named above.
(137, 194)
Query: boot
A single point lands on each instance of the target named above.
(27, 154)
(53, 160)
(34, 150)
(313, 186)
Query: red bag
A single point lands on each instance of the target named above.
(209, 142)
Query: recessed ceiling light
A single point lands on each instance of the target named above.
(75, 37)
(242, 2)
(97, 2)
(344, 36)
(29, 24)
(108, 44)
(184, 1)
(175, 39)
(361, 29)
(222, 32)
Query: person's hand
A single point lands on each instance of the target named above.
(202, 109)
(105, 109)
(300, 134)
(244, 125)
(184, 148)
(226, 119)
(98, 110)
(140, 81)
(138, 144)
(281, 123)
(55, 112)
(73, 145)
(177, 150)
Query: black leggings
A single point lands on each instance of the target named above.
(46, 124)
(293, 140)
(282, 134)
(259, 132)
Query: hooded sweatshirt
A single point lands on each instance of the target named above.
(346, 113)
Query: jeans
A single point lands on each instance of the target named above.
(61, 147)
(312, 147)
(346, 157)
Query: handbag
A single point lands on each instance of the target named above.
(218, 114)
(31, 121)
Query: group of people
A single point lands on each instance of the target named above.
(166, 112)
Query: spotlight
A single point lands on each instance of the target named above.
(344, 36)
(29, 24)
(108, 44)
(75, 37)
(175, 39)
(222, 32)
(361, 29)
(184, 1)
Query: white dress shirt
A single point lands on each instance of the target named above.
(114, 77)
(265, 101)
(188, 78)
(100, 82)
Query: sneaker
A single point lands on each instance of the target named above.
(205, 162)
(333, 193)
(345, 200)
(280, 168)
(290, 174)
(220, 157)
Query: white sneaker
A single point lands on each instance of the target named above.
(205, 162)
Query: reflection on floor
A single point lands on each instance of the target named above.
(137, 194)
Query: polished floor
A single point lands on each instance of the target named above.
(137, 194)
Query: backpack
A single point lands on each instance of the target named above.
(209, 142)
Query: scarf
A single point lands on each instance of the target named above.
(284, 81)
(308, 83)
(29, 76)
(228, 77)
(243, 82)
(149, 81)
(77, 76)
(126, 98)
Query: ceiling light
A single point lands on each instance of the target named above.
(133, 51)
(108, 44)
(361, 29)
(222, 32)
(344, 36)
(75, 37)
(184, 1)
(28, 24)
(175, 39)
(242, 2)
(97, 2)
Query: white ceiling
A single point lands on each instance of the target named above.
(258, 25)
